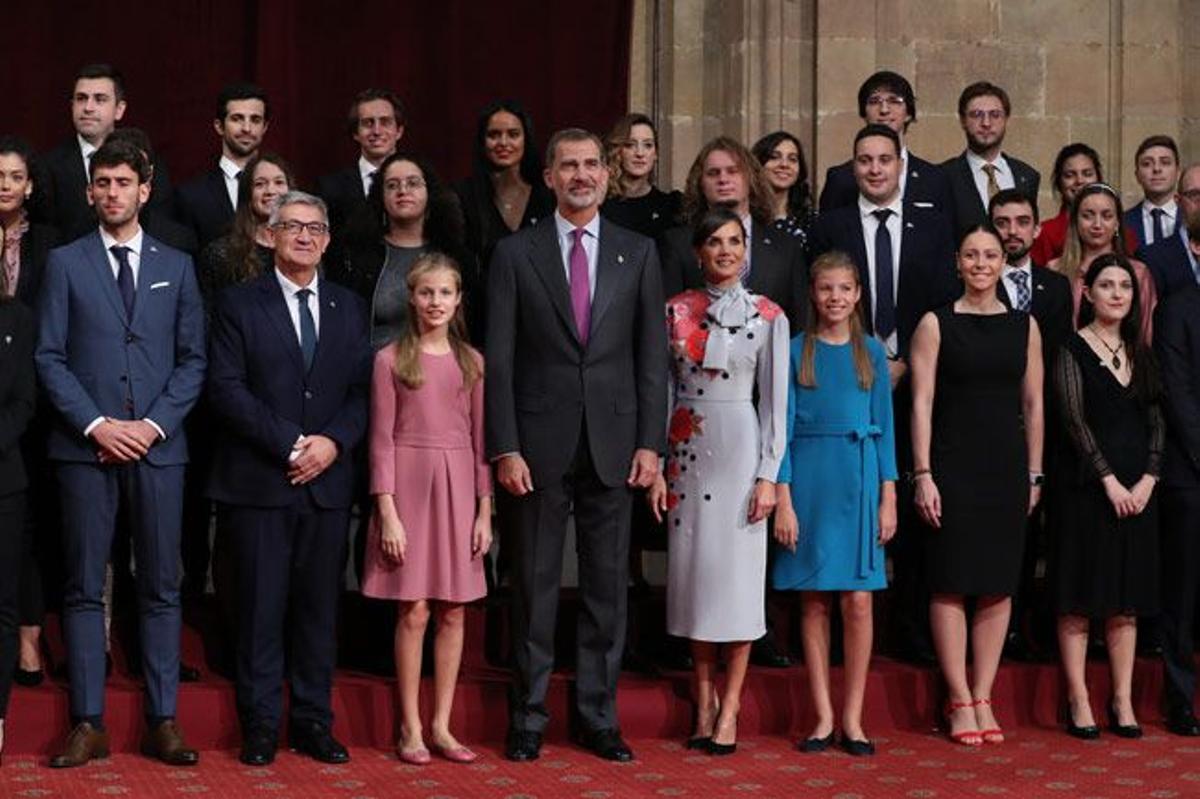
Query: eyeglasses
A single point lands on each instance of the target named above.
(978, 115)
(404, 184)
(885, 99)
(293, 228)
(1191, 195)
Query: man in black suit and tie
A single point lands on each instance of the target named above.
(97, 104)
(1156, 166)
(576, 419)
(1172, 262)
(376, 123)
(121, 357)
(886, 98)
(1030, 288)
(983, 169)
(288, 385)
(207, 203)
(906, 267)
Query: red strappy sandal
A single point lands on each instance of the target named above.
(992, 735)
(966, 737)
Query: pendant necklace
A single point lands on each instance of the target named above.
(1116, 359)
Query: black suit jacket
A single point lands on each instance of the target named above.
(1177, 342)
(18, 391)
(967, 209)
(203, 205)
(35, 247)
(1052, 307)
(262, 400)
(342, 192)
(543, 386)
(1169, 265)
(927, 277)
(778, 269)
(925, 186)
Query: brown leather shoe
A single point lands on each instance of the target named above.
(165, 743)
(83, 744)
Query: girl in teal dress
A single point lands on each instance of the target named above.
(836, 490)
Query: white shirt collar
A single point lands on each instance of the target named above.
(85, 146)
(1170, 208)
(1026, 265)
(365, 168)
(866, 207)
(227, 166)
(134, 243)
(291, 288)
(976, 162)
(564, 227)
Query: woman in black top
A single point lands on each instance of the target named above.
(783, 162)
(634, 202)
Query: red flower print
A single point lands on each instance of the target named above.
(694, 344)
(685, 423)
(672, 500)
(767, 309)
(672, 469)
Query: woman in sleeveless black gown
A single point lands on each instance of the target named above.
(1105, 560)
(977, 457)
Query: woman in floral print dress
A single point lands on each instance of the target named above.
(724, 450)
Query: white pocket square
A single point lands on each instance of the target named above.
(921, 204)
(161, 285)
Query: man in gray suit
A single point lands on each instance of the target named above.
(576, 419)
(121, 356)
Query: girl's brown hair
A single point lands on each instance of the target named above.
(863, 368)
(408, 346)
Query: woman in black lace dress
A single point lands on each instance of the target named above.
(1106, 542)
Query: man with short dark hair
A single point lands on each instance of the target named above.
(1172, 262)
(376, 123)
(886, 98)
(121, 357)
(1156, 166)
(983, 169)
(97, 104)
(288, 386)
(576, 419)
(207, 203)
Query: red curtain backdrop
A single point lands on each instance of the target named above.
(567, 62)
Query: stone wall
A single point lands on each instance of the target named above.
(1107, 72)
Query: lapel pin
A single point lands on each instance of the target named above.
(620, 259)
(153, 248)
(908, 224)
(915, 174)
(654, 214)
(332, 304)
(766, 241)
(8, 339)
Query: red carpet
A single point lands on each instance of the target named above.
(1036, 762)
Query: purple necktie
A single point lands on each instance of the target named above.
(581, 300)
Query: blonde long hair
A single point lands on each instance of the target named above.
(1072, 255)
(863, 368)
(408, 346)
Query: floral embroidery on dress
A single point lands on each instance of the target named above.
(685, 423)
(767, 309)
(688, 331)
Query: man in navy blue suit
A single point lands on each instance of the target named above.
(288, 385)
(1172, 261)
(1156, 166)
(121, 356)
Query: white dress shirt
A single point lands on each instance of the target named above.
(366, 172)
(1010, 285)
(86, 148)
(1004, 175)
(591, 246)
(903, 168)
(289, 290)
(1169, 209)
(895, 226)
(230, 171)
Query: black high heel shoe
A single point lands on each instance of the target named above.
(719, 749)
(1122, 730)
(813, 745)
(1089, 733)
(703, 742)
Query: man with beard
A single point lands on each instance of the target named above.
(983, 170)
(576, 419)
(121, 357)
(207, 203)
(1172, 261)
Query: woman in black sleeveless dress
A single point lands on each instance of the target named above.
(977, 458)
(1105, 556)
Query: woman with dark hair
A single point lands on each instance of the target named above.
(1095, 230)
(1075, 166)
(505, 191)
(18, 396)
(1105, 559)
(409, 211)
(977, 473)
(727, 435)
(25, 246)
(245, 252)
(782, 158)
(634, 202)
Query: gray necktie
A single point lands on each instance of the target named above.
(1021, 279)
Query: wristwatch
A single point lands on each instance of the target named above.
(1037, 479)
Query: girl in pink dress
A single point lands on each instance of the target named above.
(433, 495)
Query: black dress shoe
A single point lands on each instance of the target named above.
(764, 652)
(315, 740)
(523, 745)
(608, 744)
(1183, 723)
(813, 745)
(857, 748)
(1130, 731)
(258, 746)
(27, 678)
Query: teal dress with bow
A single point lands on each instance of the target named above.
(840, 447)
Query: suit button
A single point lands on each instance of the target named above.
(307, 394)
(129, 338)
(124, 378)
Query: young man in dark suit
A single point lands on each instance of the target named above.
(905, 260)
(288, 386)
(984, 169)
(576, 418)
(1156, 166)
(376, 123)
(121, 357)
(1030, 288)
(1172, 262)
(207, 203)
(886, 98)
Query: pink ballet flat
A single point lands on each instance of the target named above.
(459, 754)
(413, 757)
